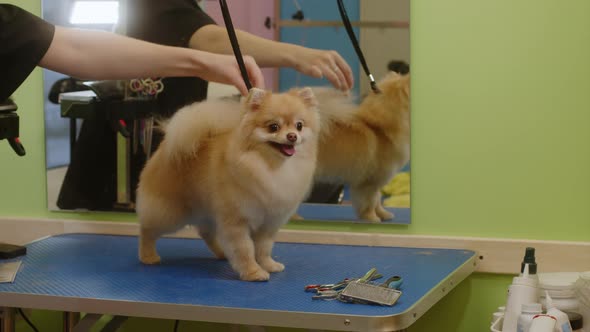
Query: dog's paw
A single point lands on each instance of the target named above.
(385, 215)
(150, 259)
(296, 216)
(255, 275)
(272, 266)
(370, 216)
(219, 254)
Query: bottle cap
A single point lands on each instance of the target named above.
(529, 258)
(532, 307)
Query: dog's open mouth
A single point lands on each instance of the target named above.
(286, 149)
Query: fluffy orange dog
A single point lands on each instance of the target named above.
(364, 146)
(235, 171)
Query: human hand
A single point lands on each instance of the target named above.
(321, 63)
(224, 69)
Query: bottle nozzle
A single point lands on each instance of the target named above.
(529, 258)
(548, 300)
(525, 273)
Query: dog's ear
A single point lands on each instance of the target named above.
(308, 97)
(255, 98)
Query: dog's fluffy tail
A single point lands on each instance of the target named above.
(193, 124)
(335, 107)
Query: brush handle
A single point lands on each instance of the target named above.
(394, 282)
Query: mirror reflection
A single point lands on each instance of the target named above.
(94, 159)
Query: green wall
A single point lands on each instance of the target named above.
(500, 137)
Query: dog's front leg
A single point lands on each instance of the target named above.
(263, 243)
(234, 237)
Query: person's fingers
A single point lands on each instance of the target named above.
(332, 76)
(258, 80)
(239, 83)
(241, 86)
(255, 73)
(345, 69)
(315, 72)
(341, 78)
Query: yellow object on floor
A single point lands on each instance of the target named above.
(398, 190)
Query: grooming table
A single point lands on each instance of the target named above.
(101, 274)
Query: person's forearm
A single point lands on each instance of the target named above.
(268, 53)
(88, 54)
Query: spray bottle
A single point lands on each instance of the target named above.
(563, 321)
(523, 290)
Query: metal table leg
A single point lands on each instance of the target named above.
(73, 134)
(7, 319)
(87, 322)
(73, 323)
(70, 319)
(114, 324)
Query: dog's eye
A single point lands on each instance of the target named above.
(273, 128)
(299, 126)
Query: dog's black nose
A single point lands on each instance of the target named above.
(292, 137)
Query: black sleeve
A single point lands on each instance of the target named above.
(24, 40)
(172, 23)
(167, 22)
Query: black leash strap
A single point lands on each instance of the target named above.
(234, 42)
(355, 43)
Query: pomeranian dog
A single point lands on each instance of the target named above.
(236, 171)
(365, 145)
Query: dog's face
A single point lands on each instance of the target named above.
(281, 123)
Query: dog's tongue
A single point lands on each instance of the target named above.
(287, 149)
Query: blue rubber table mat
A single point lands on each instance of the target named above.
(106, 267)
(341, 212)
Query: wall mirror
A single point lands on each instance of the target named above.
(108, 184)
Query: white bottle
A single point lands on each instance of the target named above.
(563, 321)
(529, 311)
(498, 314)
(523, 290)
(543, 323)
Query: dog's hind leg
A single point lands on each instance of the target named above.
(381, 211)
(365, 199)
(155, 220)
(147, 245)
(207, 233)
